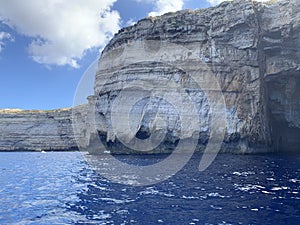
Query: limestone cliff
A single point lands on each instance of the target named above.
(253, 54)
(37, 130)
(280, 46)
(250, 49)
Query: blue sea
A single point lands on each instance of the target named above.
(62, 188)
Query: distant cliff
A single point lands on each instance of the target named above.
(250, 48)
(36, 130)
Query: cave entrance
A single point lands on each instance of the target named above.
(283, 93)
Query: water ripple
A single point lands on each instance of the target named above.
(61, 188)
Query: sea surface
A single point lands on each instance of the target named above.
(62, 188)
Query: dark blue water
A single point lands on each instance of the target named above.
(61, 188)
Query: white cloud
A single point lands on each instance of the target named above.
(215, 2)
(4, 36)
(62, 31)
(164, 6)
(130, 22)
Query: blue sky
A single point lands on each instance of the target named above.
(46, 46)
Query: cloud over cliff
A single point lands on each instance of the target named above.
(61, 31)
(215, 2)
(164, 6)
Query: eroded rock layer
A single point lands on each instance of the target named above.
(252, 50)
(36, 130)
(40, 130)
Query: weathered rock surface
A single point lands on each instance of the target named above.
(36, 130)
(250, 49)
(280, 32)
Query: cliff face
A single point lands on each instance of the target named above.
(41, 130)
(242, 55)
(36, 130)
(281, 48)
(253, 54)
(227, 45)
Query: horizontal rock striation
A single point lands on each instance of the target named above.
(253, 55)
(238, 61)
(36, 130)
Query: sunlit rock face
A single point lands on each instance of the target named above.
(42, 130)
(36, 130)
(250, 48)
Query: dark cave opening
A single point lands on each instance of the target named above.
(283, 100)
